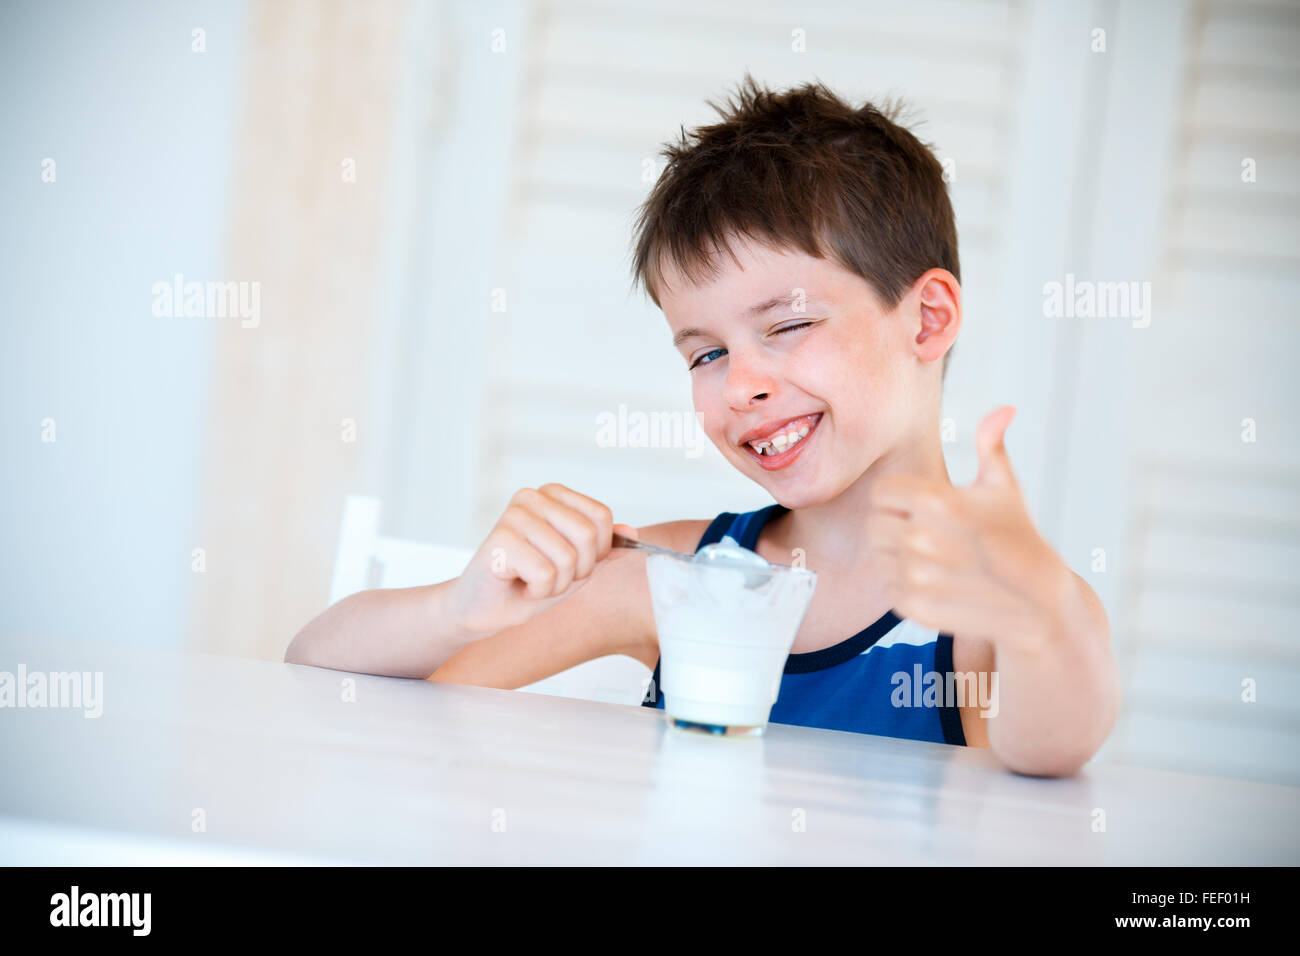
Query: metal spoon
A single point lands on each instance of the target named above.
(623, 541)
(718, 555)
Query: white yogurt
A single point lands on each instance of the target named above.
(723, 645)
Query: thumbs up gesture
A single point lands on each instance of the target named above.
(990, 446)
(966, 561)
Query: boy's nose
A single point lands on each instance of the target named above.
(749, 379)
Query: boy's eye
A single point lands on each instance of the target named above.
(700, 361)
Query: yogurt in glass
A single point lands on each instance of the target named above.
(724, 636)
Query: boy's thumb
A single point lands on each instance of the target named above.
(991, 449)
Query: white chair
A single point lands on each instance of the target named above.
(367, 559)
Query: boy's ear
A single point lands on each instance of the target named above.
(939, 305)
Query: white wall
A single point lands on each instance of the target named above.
(95, 528)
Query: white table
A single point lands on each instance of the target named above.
(285, 771)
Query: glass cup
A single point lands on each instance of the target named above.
(724, 636)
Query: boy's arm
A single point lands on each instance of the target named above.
(969, 562)
(394, 632)
(1063, 679)
(1055, 682)
(410, 632)
(610, 615)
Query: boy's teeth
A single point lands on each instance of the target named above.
(779, 443)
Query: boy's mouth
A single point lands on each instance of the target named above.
(778, 444)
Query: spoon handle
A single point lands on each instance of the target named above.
(622, 541)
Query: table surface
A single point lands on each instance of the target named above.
(283, 769)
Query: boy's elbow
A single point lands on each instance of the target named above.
(1066, 761)
(312, 639)
(1063, 764)
(297, 651)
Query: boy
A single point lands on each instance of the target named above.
(804, 253)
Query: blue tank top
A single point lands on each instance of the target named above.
(876, 682)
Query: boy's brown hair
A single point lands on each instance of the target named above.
(804, 170)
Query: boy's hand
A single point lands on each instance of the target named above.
(545, 546)
(968, 561)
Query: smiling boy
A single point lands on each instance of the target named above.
(804, 254)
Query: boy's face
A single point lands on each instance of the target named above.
(784, 335)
